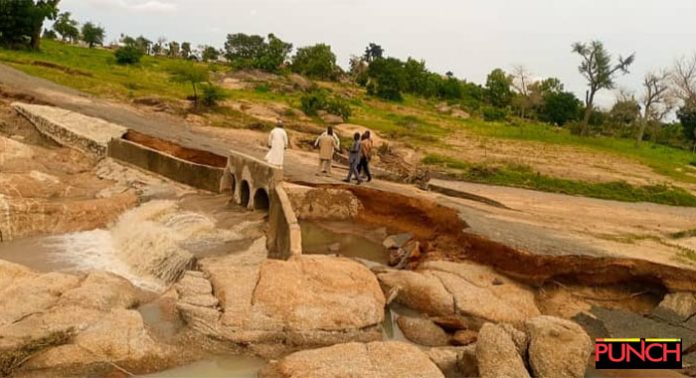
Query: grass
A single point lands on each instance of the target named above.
(413, 120)
(521, 176)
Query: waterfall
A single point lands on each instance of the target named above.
(149, 245)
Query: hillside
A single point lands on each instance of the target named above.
(419, 132)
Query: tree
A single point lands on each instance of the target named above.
(316, 61)
(559, 107)
(144, 44)
(189, 73)
(598, 70)
(498, 90)
(655, 100)
(209, 53)
(92, 34)
(21, 21)
(185, 50)
(387, 78)
(687, 117)
(253, 51)
(624, 115)
(683, 78)
(49, 34)
(372, 52)
(522, 81)
(174, 49)
(66, 27)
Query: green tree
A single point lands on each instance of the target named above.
(21, 21)
(49, 34)
(174, 49)
(687, 117)
(210, 53)
(189, 73)
(92, 34)
(372, 52)
(144, 44)
(185, 50)
(498, 89)
(387, 78)
(253, 51)
(599, 71)
(316, 61)
(559, 107)
(66, 27)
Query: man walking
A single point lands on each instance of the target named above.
(327, 146)
(278, 142)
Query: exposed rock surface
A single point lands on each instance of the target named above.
(422, 331)
(92, 313)
(390, 359)
(497, 354)
(323, 203)
(443, 288)
(557, 347)
(682, 304)
(306, 301)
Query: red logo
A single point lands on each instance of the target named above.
(638, 353)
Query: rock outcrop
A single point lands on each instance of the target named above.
(307, 301)
(497, 354)
(422, 331)
(72, 323)
(323, 203)
(557, 347)
(442, 288)
(390, 359)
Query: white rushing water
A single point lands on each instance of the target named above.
(149, 245)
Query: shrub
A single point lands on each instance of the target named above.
(315, 101)
(212, 94)
(492, 114)
(128, 55)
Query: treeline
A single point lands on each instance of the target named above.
(517, 94)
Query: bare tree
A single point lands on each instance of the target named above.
(522, 82)
(599, 71)
(655, 100)
(683, 77)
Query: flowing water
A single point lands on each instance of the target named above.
(216, 366)
(150, 245)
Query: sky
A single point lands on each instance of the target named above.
(467, 37)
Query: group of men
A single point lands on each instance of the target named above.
(360, 152)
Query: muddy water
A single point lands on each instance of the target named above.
(216, 366)
(352, 240)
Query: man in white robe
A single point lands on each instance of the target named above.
(278, 142)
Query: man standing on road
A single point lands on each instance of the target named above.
(278, 142)
(327, 143)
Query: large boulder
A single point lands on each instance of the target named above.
(422, 331)
(441, 288)
(455, 362)
(390, 359)
(683, 304)
(307, 301)
(323, 203)
(557, 347)
(497, 355)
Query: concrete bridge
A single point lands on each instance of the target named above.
(250, 180)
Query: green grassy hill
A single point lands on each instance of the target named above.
(454, 144)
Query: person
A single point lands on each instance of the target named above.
(327, 143)
(278, 142)
(354, 159)
(365, 155)
(326, 132)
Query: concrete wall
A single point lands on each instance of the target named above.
(284, 233)
(196, 175)
(87, 134)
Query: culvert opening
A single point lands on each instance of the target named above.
(233, 184)
(261, 200)
(244, 193)
(181, 152)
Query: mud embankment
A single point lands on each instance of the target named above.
(184, 153)
(444, 235)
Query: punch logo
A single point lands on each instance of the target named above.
(638, 353)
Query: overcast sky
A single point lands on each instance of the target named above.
(467, 37)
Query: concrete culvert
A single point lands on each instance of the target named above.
(244, 194)
(233, 183)
(261, 200)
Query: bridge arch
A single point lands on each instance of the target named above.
(261, 200)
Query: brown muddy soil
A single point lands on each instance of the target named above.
(189, 154)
